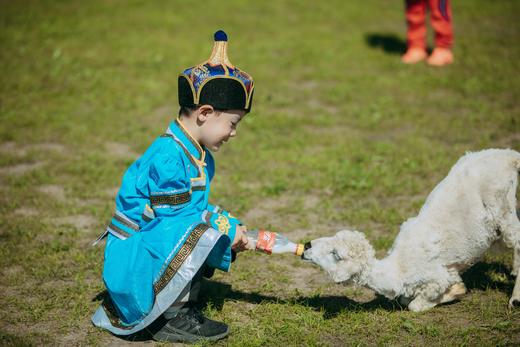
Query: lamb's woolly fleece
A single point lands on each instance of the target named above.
(471, 208)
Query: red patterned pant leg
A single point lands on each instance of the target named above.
(441, 22)
(416, 22)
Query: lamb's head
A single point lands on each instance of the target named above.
(345, 256)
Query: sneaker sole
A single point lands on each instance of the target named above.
(174, 335)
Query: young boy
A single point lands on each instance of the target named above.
(164, 234)
(416, 34)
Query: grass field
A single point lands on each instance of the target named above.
(341, 135)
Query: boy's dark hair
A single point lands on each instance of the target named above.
(185, 111)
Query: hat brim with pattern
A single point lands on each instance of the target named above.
(216, 82)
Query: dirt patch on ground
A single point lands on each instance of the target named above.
(511, 141)
(81, 222)
(320, 106)
(162, 114)
(266, 211)
(311, 201)
(113, 341)
(71, 338)
(55, 191)
(56, 283)
(88, 202)
(307, 85)
(283, 214)
(20, 328)
(20, 150)
(333, 132)
(120, 150)
(307, 279)
(49, 147)
(12, 270)
(26, 212)
(300, 234)
(20, 169)
(112, 192)
(12, 147)
(251, 185)
(390, 135)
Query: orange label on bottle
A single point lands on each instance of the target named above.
(265, 241)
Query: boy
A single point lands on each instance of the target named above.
(416, 34)
(164, 234)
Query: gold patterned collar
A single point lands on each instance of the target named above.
(193, 147)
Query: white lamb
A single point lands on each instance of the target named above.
(470, 209)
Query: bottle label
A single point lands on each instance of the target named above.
(265, 241)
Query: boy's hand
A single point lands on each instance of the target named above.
(240, 242)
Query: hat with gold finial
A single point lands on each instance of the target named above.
(216, 81)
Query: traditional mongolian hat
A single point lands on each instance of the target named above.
(216, 81)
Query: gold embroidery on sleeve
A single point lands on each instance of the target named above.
(223, 225)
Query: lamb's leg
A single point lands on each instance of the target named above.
(454, 292)
(516, 262)
(426, 297)
(515, 298)
(421, 303)
(512, 236)
(510, 227)
(434, 293)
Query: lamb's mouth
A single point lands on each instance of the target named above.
(306, 259)
(306, 246)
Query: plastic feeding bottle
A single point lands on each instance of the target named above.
(271, 242)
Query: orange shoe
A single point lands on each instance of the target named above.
(414, 55)
(440, 57)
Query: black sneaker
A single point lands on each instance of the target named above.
(190, 327)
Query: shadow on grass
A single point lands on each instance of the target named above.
(490, 275)
(390, 43)
(217, 293)
(481, 276)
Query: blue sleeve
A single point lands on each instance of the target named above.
(217, 209)
(228, 226)
(222, 221)
(169, 185)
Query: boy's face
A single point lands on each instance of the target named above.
(219, 127)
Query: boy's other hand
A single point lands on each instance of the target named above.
(240, 243)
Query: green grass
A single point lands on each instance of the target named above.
(341, 135)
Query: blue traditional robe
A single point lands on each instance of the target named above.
(162, 232)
